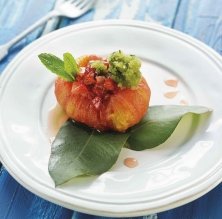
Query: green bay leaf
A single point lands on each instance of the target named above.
(78, 150)
(159, 124)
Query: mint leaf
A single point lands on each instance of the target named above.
(70, 64)
(55, 65)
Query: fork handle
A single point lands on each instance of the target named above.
(5, 47)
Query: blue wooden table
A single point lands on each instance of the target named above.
(201, 19)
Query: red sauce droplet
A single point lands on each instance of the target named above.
(171, 82)
(184, 102)
(171, 94)
(130, 162)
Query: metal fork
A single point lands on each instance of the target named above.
(70, 9)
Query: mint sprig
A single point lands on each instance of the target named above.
(66, 69)
(70, 65)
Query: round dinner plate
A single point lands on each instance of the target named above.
(167, 176)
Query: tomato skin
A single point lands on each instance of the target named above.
(128, 106)
(118, 111)
(98, 102)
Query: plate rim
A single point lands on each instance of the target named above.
(110, 211)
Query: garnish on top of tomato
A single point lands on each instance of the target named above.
(105, 94)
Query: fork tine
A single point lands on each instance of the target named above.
(75, 2)
(86, 5)
(70, 1)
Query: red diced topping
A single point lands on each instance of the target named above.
(88, 69)
(89, 79)
(98, 90)
(97, 102)
(109, 84)
(97, 87)
(100, 79)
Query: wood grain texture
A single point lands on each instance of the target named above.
(206, 207)
(160, 11)
(78, 215)
(16, 202)
(15, 16)
(202, 20)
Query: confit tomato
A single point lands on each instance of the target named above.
(98, 102)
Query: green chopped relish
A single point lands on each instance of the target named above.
(100, 67)
(124, 69)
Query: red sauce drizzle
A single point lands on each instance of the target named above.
(130, 162)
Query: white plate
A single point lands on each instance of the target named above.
(167, 176)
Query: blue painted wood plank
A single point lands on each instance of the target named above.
(78, 215)
(17, 202)
(15, 16)
(206, 207)
(159, 10)
(202, 20)
(163, 11)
